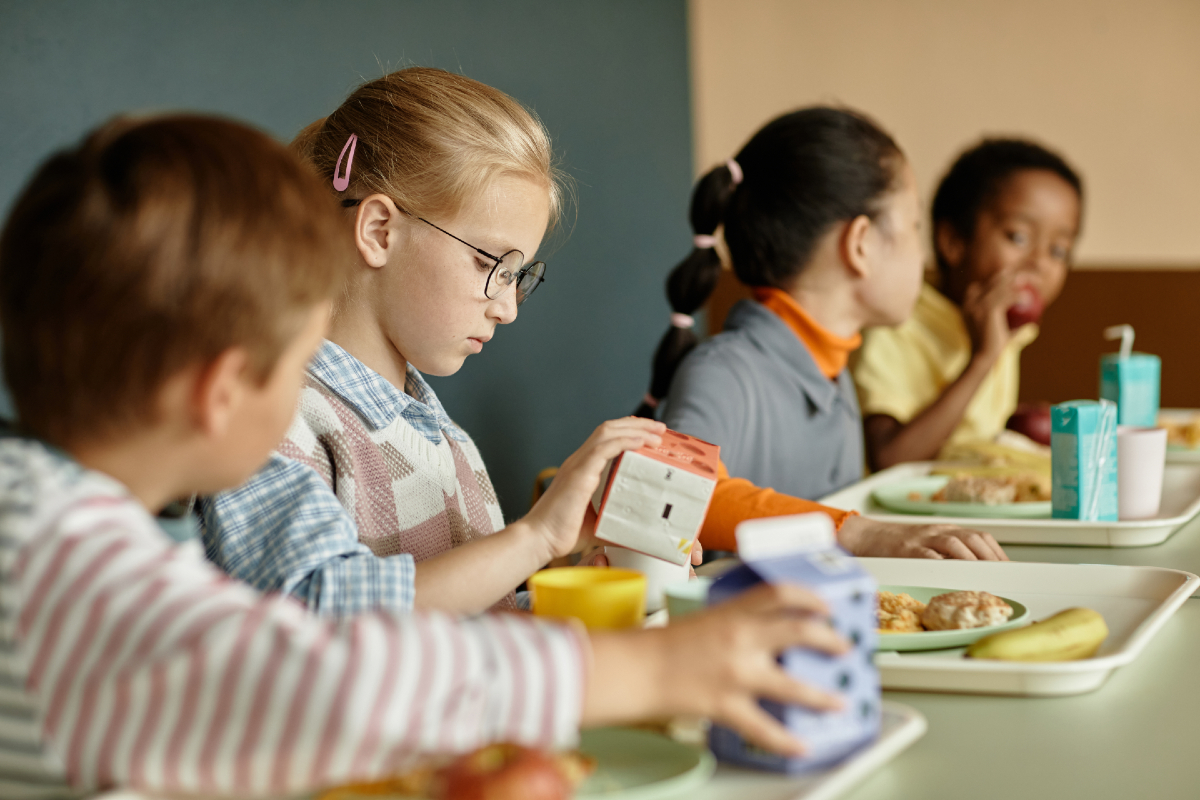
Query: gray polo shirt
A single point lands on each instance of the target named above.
(756, 391)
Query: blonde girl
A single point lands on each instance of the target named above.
(375, 498)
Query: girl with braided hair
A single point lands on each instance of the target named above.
(820, 217)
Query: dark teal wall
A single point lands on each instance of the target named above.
(608, 78)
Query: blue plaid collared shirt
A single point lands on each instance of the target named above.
(285, 530)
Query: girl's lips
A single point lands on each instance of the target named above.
(476, 344)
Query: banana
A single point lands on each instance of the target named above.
(1067, 636)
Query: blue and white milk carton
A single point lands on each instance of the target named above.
(802, 549)
(1083, 460)
(1131, 380)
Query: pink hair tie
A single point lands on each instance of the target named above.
(682, 321)
(342, 183)
(650, 400)
(735, 171)
(703, 241)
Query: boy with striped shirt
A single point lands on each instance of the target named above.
(162, 286)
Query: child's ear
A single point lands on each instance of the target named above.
(854, 246)
(219, 390)
(949, 244)
(375, 229)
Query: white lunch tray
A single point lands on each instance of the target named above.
(901, 727)
(1180, 503)
(1135, 603)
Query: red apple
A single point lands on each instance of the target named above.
(1032, 420)
(505, 772)
(1027, 309)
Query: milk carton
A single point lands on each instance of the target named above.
(1131, 380)
(654, 500)
(1133, 384)
(1083, 460)
(802, 550)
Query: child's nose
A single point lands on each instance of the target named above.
(503, 309)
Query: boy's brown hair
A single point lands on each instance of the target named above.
(151, 247)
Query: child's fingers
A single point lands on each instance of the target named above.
(781, 597)
(1000, 554)
(648, 430)
(779, 686)
(952, 546)
(602, 451)
(697, 553)
(794, 631)
(1000, 295)
(982, 545)
(600, 448)
(628, 424)
(596, 559)
(760, 728)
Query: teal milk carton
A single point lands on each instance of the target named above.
(1083, 460)
(802, 549)
(1131, 380)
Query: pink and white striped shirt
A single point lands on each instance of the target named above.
(128, 660)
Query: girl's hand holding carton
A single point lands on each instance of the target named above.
(562, 518)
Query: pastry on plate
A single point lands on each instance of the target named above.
(959, 610)
(1182, 431)
(993, 489)
(899, 613)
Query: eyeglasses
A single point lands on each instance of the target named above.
(506, 271)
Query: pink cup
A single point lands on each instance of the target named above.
(1141, 456)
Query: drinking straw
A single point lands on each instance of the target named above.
(1125, 334)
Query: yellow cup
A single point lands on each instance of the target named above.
(600, 597)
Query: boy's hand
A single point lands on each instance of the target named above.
(864, 537)
(563, 517)
(717, 664)
(985, 311)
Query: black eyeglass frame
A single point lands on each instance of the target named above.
(517, 277)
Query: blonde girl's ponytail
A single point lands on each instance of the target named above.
(692, 281)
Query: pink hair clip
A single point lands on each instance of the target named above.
(703, 241)
(735, 171)
(682, 321)
(342, 183)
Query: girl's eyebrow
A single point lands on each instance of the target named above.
(493, 244)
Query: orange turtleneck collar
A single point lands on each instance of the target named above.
(830, 351)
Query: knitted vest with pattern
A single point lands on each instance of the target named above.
(406, 494)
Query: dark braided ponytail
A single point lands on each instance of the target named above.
(692, 281)
(804, 172)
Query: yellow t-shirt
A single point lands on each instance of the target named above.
(899, 371)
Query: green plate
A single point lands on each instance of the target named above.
(898, 496)
(640, 765)
(940, 640)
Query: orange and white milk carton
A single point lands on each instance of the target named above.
(654, 500)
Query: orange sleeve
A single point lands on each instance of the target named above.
(737, 499)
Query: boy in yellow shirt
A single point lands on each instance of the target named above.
(1005, 221)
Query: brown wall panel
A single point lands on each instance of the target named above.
(1161, 305)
